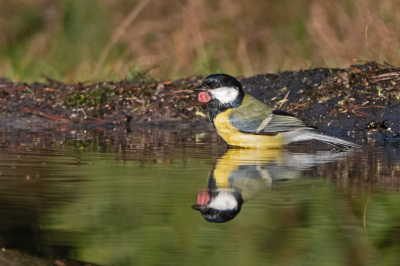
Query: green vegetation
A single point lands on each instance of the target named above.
(93, 98)
(67, 39)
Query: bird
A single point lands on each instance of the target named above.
(236, 178)
(243, 121)
(239, 175)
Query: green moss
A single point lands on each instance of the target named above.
(93, 98)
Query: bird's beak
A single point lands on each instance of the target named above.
(198, 207)
(200, 88)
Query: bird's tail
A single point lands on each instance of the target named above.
(301, 135)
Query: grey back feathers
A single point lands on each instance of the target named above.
(264, 120)
(252, 116)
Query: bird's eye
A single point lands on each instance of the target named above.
(217, 85)
(216, 212)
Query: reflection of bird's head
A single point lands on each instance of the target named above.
(219, 206)
(221, 90)
(228, 184)
(240, 174)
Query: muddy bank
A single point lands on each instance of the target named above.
(11, 257)
(359, 98)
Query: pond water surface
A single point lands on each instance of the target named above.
(117, 198)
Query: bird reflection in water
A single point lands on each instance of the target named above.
(240, 174)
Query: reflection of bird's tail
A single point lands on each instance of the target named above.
(301, 135)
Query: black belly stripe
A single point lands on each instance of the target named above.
(262, 133)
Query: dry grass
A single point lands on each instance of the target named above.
(64, 39)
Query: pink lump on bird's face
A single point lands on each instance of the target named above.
(204, 97)
(203, 197)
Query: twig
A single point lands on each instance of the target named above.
(354, 109)
(58, 83)
(183, 91)
(63, 118)
(382, 79)
(385, 76)
(391, 74)
(284, 100)
(390, 65)
(298, 106)
(357, 113)
(141, 120)
(372, 106)
(52, 117)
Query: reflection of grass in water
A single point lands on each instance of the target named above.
(64, 39)
(137, 212)
(134, 213)
(126, 211)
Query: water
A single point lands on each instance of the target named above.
(117, 198)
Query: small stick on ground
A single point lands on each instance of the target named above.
(284, 100)
(354, 109)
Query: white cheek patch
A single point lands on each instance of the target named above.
(225, 94)
(223, 201)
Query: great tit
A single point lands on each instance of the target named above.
(235, 178)
(242, 120)
(240, 174)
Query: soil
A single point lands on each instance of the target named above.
(361, 97)
(12, 257)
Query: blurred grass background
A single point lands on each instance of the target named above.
(73, 40)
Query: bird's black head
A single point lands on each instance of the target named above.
(224, 92)
(213, 212)
(216, 216)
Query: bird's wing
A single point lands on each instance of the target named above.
(252, 116)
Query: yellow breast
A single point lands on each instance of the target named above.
(236, 138)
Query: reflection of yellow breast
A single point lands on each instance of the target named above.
(236, 138)
(234, 158)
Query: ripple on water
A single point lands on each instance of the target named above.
(116, 197)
